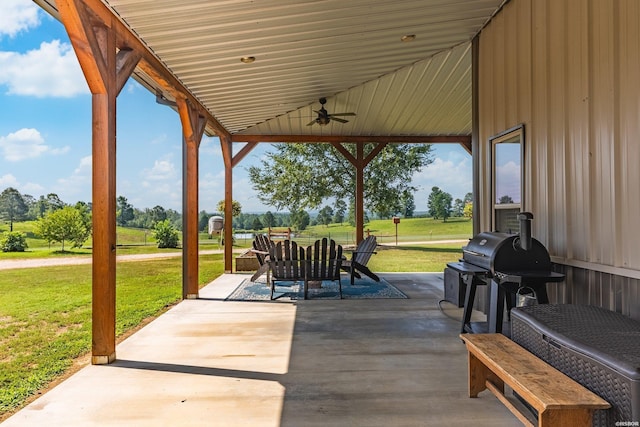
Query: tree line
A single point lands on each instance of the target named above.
(442, 206)
(58, 222)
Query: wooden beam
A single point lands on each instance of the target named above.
(100, 14)
(193, 125)
(391, 139)
(475, 133)
(126, 62)
(373, 153)
(225, 143)
(242, 153)
(467, 147)
(94, 41)
(78, 21)
(359, 199)
(347, 155)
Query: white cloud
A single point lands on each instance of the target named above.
(78, 183)
(508, 181)
(52, 70)
(17, 15)
(162, 170)
(26, 143)
(452, 175)
(9, 180)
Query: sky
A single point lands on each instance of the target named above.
(45, 131)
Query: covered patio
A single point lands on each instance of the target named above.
(557, 80)
(373, 362)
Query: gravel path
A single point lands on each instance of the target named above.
(79, 260)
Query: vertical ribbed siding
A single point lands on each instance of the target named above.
(568, 70)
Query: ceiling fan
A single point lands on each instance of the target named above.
(324, 117)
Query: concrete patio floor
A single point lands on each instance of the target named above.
(210, 362)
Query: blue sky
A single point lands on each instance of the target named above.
(45, 130)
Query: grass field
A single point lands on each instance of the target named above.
(137, 241)
(45, 313)
(45, 316)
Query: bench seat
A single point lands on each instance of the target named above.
(495, 360)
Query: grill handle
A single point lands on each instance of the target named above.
(467, 251)
(526, 241)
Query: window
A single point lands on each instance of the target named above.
(507, 153)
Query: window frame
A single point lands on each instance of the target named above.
(512, 135)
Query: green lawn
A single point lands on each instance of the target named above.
(45, 316)
(45, 313)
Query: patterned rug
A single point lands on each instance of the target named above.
(289, 291)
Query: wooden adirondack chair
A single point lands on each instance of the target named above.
(286, 263)
(359, 259)
(324, 259)
(261, 246)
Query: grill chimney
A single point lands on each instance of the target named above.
(525, 230)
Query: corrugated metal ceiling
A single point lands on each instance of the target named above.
(347, 51)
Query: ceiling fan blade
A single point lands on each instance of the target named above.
(311, 122)
(342, 114)
(339, 120)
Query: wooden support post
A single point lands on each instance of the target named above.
(106, 72)
(227, 156)
(359, 208)
(359, 162)
(193, 126)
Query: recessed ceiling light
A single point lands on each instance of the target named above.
(408, 37)
(248, 59)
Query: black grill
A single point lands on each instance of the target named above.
(501, 253)
(507, 262)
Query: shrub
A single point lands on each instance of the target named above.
(166, 234)
(14, 241)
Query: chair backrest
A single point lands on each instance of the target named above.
(262, 244)
(365, 249)
(286, 261)
(324, 259)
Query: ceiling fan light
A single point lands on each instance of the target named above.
(408, 38)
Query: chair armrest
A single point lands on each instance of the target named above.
(255, 251)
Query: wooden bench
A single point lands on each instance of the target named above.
(279, 234)
(495, 360)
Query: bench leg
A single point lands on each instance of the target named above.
(565, 417)
(479, 374)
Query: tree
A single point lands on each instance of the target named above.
(257, 225)
(12, 206)
(268, 219)
(236, 208)
(13, 241)
(53, 202)
(303, 176)
(300, 220)
(458, 207)
(65, 225)
(166, 234)
(408, 204)
(325, 216)
(505, 200)
(439, 204)
(468, 198)
(339, 211)
(125, 211)
(157, 214)
(468, 210)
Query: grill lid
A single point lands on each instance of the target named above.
(502, 252)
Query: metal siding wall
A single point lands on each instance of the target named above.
(628, 43)
(568, 70)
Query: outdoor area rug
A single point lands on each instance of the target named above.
(363, 288)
